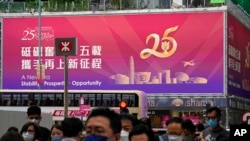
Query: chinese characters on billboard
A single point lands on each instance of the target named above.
(238, 58)
(169, 53)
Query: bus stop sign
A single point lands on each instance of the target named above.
(66, 46)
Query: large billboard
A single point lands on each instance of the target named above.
(156, 53)
(238, 58)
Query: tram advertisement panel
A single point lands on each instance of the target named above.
(238, 58)
(173, 53)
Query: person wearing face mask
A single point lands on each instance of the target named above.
(34, 115)
(56, 132)
(72, 129)
(188, 128)
(174, 130)
(124, 135)
(214, 132)
(128, 122)
(31, 132)
(103, 124)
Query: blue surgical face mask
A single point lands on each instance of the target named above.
(212, 123)
(94, 137)
(56, 138)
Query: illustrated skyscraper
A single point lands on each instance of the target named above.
(131, 70)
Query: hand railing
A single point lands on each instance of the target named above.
(101, 5)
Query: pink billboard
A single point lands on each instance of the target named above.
(238, 58)
(156, 53)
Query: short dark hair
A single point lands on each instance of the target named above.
(71, 126)
(12, 129)
(132, 118)
(174, 120)
(34, 110)
(12, 136)
(146, 121)
(216, 109)
(200, 127)
(142, 129)
(38, 132)
(57, 126)
(189, 125)
(111, 115)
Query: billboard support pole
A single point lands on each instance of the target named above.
(66, 101)
(65, 47)
(39, 50)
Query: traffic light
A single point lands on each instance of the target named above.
(123, 107)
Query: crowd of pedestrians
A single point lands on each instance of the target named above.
(104, 124)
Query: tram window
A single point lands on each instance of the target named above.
(59, 100)
(1, 101)
(112, 100)
(117, 100)
(106, 100)
(130, 99)
(91, 99)
(109, 100)
(6, 99)
(25, 99)
(76, 99)
(37, 99)
(98, 100)
(86, 98)
(48, 100)
(101, 100)
(71, 99)
(16, 101)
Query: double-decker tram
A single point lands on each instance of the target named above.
(52, 101)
